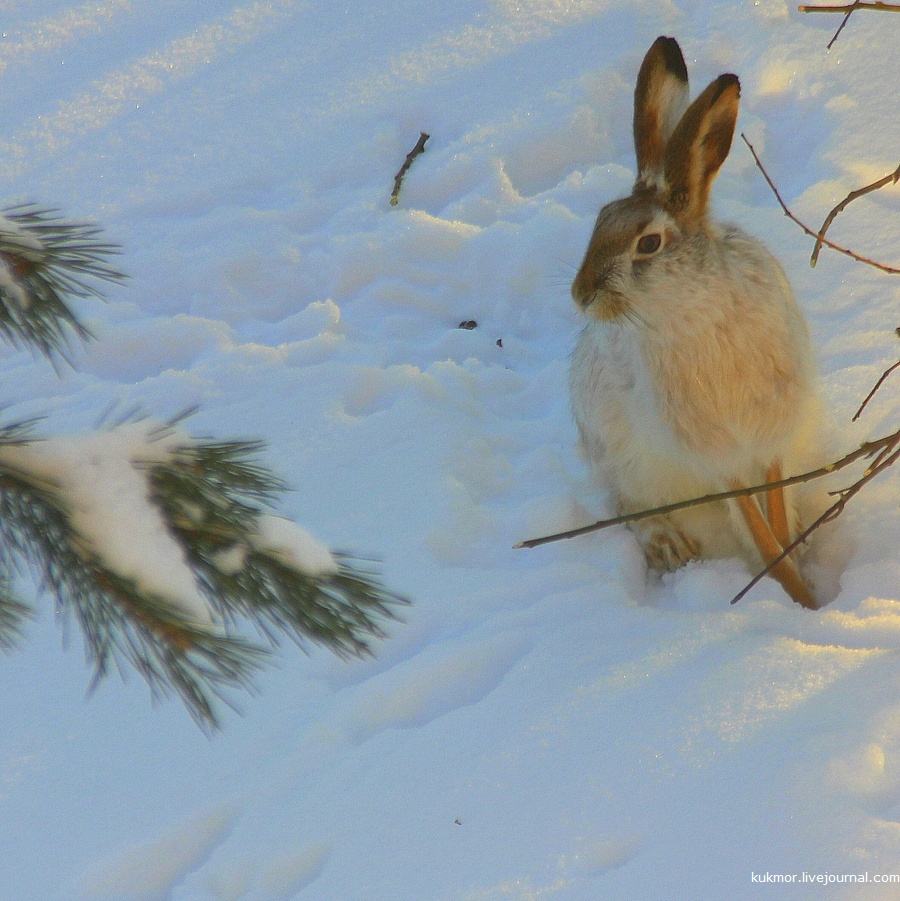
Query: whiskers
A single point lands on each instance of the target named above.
(636, 318)
(613, 306)
(562, 276)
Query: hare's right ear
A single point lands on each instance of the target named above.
(697, 149)
(660, 97)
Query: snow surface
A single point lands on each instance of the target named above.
(544, 724)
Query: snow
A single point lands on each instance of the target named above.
(294, 546)
(543, 723)
(148, 871)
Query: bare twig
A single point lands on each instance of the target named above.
(853, 195)
(884, 460)
(398, 178)
(852, 7)
(806, 228)
(865, 450)
(878, 384)
(840, 28)
(848, 10)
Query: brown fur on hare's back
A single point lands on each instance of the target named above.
(694, 373)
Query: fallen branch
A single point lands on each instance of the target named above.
(398, 178)
(848, 10)
(865, 450)
(853, 195)
(819, 237)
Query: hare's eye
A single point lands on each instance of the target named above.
(648, 244)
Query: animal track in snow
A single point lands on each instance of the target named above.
(151, 871)
(436, 682)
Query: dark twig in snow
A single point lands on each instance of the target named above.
(398, 178)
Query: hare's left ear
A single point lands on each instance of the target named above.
(697, 149)
(660, 97)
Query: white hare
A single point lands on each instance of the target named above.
(695, 372)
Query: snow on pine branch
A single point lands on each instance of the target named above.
(254, 565)
(44, 261)
(161, 545)
(106, 496)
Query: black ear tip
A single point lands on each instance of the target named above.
(672, 57)
(724, 82)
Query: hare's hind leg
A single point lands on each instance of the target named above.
(770, 548)
(775, 506)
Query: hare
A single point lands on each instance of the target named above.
(694, 373)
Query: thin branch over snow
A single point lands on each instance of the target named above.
(848, 9)
(820, 238)
(852, 7)
(853, 195)
(886, 457)
(865, 450)
(884, 377)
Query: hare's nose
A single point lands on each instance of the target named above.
(587, 283)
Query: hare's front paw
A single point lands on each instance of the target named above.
(666, 547)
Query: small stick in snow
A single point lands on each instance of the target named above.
(398, 178)
(819, 237)
(848, 10)
(859, 192)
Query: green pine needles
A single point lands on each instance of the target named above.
(163, 548)
(215, 497)
(44, 260)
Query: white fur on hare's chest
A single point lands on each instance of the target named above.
(627, 440)
(624, 428)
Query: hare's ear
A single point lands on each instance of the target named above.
(698, 148)
(660, 98)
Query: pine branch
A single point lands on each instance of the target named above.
(13, 614)
(213, 499)
(44, 261)
(213, 496)
(121, 623)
